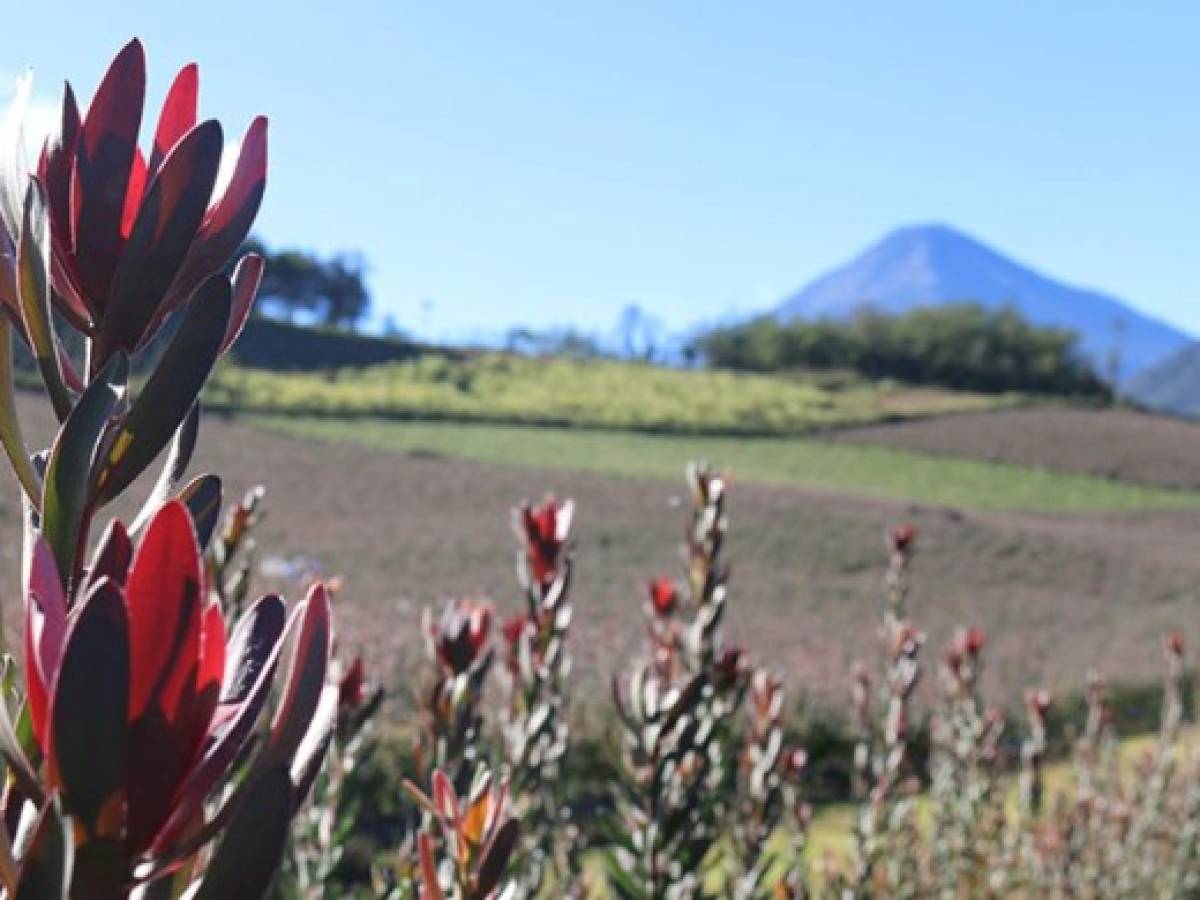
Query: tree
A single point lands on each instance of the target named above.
(638, 333)
(299, 283)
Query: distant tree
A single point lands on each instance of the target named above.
(960, 345)
(346, 300)
(554, 342)
(299, 283)
(638, 334)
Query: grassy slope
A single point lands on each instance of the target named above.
(494, 387)
(863, 470)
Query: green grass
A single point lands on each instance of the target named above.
(502, 388)
(802, 462)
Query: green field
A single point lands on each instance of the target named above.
(865, 470)
(502, 388)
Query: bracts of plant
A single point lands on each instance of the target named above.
(884, 829)
(141, 757)
(231, 552)
(534, 725)
(451, 694)
(768, 802)
(449, 741)
(969, 828)
(466, 844)
(677, 714)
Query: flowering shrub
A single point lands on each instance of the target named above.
(141, 757)
(677, 716)
(534, 727)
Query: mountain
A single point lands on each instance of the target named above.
(1172, 385)
(925, 265)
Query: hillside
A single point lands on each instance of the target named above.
(931, 264)
(520, 390)
(1171, 386)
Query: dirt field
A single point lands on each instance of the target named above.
(1115, 443)
(1057, 594)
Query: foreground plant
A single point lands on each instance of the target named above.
(677, 716)
(768, 802)
(534, 726)
(140, 758)
(884, 828)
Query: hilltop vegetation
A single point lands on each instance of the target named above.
(959, 345)
(504, 388)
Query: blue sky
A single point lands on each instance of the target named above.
(550, 163)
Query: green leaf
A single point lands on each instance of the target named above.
(182, 447)
(65, 495)
(11, 748)
(249, 854)
(33, 289)
(46, 867)
(89, 729)
(202, 496)
(10, 426)
(171, 391)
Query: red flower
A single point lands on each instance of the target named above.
(545, 530)
(902, 539)
(729, 666)
(132, 699)
(460, 636)
(134, 236)
(793, 762)
(664, 596)
(352, 688)
(513, 628)
(1174, 643)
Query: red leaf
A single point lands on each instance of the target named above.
(178, 115)
(430, 888)
(54, 170)
(444, 797)
(252, 658)
(310, 660)
(113, 555)
(45, 632)
(104, 159)
(212, 648)
(88, 733)
(163, 595)
(133, 194)
(160, 240)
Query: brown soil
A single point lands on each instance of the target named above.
(1056, 594)
(1114, 443)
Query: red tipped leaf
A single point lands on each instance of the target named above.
(178, 115)
(88, 730)
(164, 596)
(229, 218)
(251, 660)
(45, 632)
(159, 242)
(104, 159)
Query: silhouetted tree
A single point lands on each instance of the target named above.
(299, 283)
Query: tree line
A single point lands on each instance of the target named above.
(960, 345)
